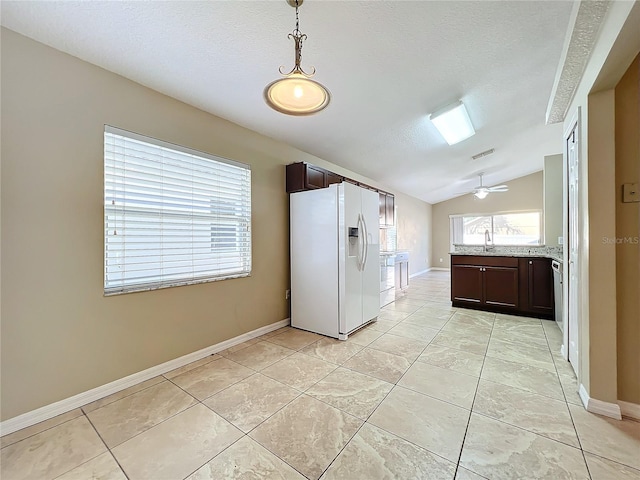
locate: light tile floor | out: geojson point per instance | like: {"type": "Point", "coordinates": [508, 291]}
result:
{"type": "Point", "coordinates": [426, 392]}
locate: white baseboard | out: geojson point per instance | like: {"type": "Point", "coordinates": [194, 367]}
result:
{"type": "Point", "coordinates": [63, 406]}
{"type": "Point", "coordinates": [419, 273]}
{"type": "Point", "coordinates": [629, 410]}
{"type": "Point", "coordinates": [440, 269]}
{"type": "Point", "coordinates": [599, 407]}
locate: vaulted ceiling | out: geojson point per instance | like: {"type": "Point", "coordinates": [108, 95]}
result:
{"type": "Point", "coordinates": [388, 64]}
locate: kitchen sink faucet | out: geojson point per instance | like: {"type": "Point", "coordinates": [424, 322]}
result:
{"type": "Point", "coordinates": [487, 239]}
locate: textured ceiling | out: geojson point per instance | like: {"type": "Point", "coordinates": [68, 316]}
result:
{"type": "Point", "coordinates": [388, 64]}
{"type": "Point", "coordinates": [589, 17]}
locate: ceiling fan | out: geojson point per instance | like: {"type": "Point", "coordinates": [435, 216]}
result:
{"type": "Point", "coordinates": [481, 191]}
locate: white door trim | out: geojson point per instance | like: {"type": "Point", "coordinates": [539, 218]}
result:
{"type": "Point", "coordinates": [571, 303]}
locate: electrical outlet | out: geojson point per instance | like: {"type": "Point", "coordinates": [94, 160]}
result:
{"type": "Point", "coordinates": [287, 294]}
{"type": "Point", "coordinates": [440, 260]}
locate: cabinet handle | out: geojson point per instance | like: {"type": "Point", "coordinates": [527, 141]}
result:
{"type": "Point", "coordinates": [530, 262]}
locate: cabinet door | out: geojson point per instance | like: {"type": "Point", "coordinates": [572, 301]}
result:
{"type": "Point", "coordinates": [540, 280]}
{"type": "Point", "coordinates": [296, 177]}
{"type": "Point", "coordinates": [501, 286]}
{"type": "Point", "coordinates": [333, 178]}
{"type": "Point", "coordinates": [466, 283]}
{"type": "Point", "coordinates": [383, 210]}
{"type": "Point", "coordinates": [315, 177]}
{"type": "Point", "coordinates": [389, 209]}
{"type": "Point", "coordinates": [404, 275]}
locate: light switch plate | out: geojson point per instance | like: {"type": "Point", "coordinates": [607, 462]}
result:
{"type": "Point", "coordinates": [630, 193]}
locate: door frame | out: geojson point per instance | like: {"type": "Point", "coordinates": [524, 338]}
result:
{"type": "Point", "coordinates": [571, 311]}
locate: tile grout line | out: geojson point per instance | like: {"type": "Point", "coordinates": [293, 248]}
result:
{"type": "Point", "coordinates": [394, 386]}
{"type": "Point", "coordinates": [466, 430]}
{"type": "Point", "coordinates": [107, 447]}
{"type": "Point", "coordinates": [355, 433]}
{"type": "Point", "coordinates": [216, 455]}
{"type": "Point", "coordinates": [42, 431]}
{"type": "Point", "coordinates": [584, 458]}
{"type": "Point", "coordinates": [566, 401]}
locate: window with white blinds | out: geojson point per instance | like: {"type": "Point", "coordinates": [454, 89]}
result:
{"type": "Point", "coordinates": [173, 216]}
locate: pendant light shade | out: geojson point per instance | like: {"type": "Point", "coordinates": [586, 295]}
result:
{"type": "Point", "coordinates": [296, 93]}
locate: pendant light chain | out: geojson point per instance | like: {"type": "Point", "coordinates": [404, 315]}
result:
{"type": "Point", "coordinates": [298, 38]}
{"type": "Point", "coordinates": [297, 30]}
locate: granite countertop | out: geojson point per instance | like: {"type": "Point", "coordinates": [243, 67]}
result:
{"type": "Point", "coordinates": [393, 253]}
{"type": "Point", "coordinates": [501, 254]}
{"type": "Point", "coordinates": [554, 253]}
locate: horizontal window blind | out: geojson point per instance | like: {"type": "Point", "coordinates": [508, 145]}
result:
{"type": "Point", "coordinates": [173, 216]}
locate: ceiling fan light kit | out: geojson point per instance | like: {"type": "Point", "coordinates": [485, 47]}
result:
{"type": "Point", "coordinates": [296, 93]}
{"type": "Point", "coordinates": [453, 123]}
{"type": "Point", "coordinates": [481, 192]}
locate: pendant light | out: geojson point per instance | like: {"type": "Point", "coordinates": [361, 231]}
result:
{"type": "Point", "coordinates": [296, 93]}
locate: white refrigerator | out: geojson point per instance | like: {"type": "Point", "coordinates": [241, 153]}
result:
{"type": "Point", "coordinates": [335, 272]}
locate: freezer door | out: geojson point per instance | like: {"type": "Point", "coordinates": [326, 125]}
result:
{"type": "Point", "coordinates": [314, 260]}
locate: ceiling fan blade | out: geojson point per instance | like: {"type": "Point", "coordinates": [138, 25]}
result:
{"type": "Point", "coordinates": [499, 188]}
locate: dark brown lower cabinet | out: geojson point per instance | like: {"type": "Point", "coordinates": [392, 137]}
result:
{"type": "Point", "coordinates": [501, 286]}
{"type": "Point", "coordinates": [537, 275]}
{"type": "Point", "coordinates": [466, 284]}
{"type": "Point", "coordinates": [513, 285]}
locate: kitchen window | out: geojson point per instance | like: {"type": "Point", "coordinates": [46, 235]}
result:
{"type": "Point", "coordinates": [511, 228]}
{"type": "Point", "coordinates": [172, 216]}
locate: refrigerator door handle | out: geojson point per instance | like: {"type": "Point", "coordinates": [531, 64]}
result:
{"type": "Point", "coordinates": [361, 243]}
{"type": "Point", "coordinates": [365, 242]}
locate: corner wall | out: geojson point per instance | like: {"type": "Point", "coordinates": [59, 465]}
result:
{"type": "Point", "coordinates": [627, 233]}
{"type": "Point", "coordinates": [553, 190]}
{"type": "Point", "coordinates": [60, 336]}
{"type": "Point", "coordinates": [602, 261]}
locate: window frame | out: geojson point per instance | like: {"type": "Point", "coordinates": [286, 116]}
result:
{"type": "Point", "coordinates": [453, 243]}
{"type": "Point", "coordinates": [189, 276]}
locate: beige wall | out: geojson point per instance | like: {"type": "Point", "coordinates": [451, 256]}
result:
{"type": "Point", "coordinates": [627, 139]}
{"type": "Point", "coordinates": [413, 236]}
{"type": "Point", "coordinates": [525, 193]}
{"type": "Point", "coordinates": [602, 262]}
{"type": "Point", "coordinates": [553, 188]}
{"type": "Point", "coordinates": [615, 48]}
{"type": "Point", "coordinates": [60, 335]}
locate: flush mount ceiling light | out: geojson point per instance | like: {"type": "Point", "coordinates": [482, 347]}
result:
{"type": "Point", "coordinates": [296, 93]}
{"type": "Point", "coordinates": [453, 123]}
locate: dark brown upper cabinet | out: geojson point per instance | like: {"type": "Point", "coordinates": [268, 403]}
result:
{"type": "Point", "coordinates": [301, 176]}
